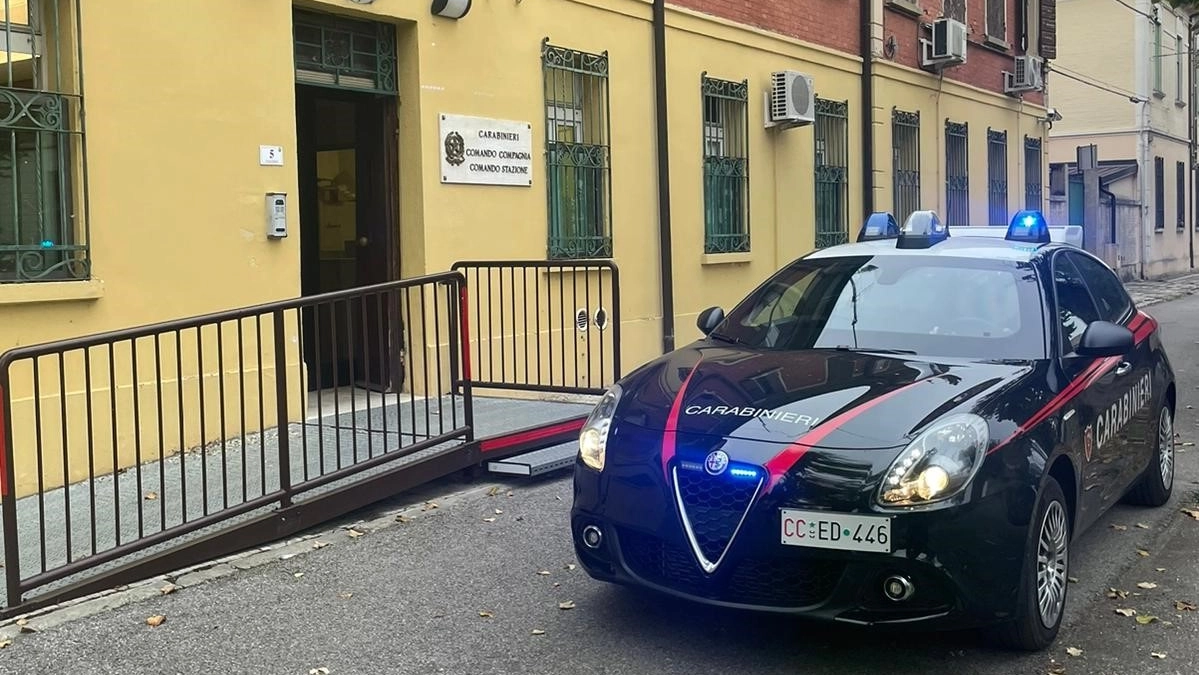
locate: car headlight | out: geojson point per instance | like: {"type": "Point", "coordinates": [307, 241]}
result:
{"type": "Point", "coordinates": [593, 438]}
{"type": "Point", "coordinates": [938, 464]}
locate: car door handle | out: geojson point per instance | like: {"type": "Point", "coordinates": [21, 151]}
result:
{"type": "Point", "coordinates": [1123, 368]}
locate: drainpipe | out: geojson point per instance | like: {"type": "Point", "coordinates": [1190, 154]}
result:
{"type": "Point", "coordinates": [1193, 122]}
{"type": "Point", "coordinates": [867, 51]}
{"type": "Point", "coordinates": [664, 246]}
{"type": "Point", "coordinates": [1112, 208]}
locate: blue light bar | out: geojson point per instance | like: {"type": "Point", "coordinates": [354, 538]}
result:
{"type": "Point", "coordinates": [1028, 226]}
{"type": "Point", "coordinates": [738, 472]}
{"type": "Point", "coordinates": [880, 225]}
{"type": "Point", "coordinates": [922, 229]}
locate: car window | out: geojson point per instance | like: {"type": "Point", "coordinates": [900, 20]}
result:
{"type": "Point", "coordinates": [930, 305]}
{"type": "Point", "coordinates": [1076, 309]}
{"type": "Point", "coordinates": [1106, 289]}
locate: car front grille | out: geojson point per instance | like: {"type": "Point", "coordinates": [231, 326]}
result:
{"type": "Point", "coordinates": [785, 581]}
{"type": "Point", "coordinates": [714, 506]}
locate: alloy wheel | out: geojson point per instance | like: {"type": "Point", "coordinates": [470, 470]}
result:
{"type": "Point", "coordinates": [1052, 559]}
{"type": "Point", "coordinates": [1165, 447]}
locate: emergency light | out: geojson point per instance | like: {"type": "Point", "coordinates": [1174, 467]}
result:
{"type": "Point", "coordinates": [880, 225]}
{"type": "Point", "coordinates": [922, 229]}
{"type": "Point", "coordinates": [1028, 226]}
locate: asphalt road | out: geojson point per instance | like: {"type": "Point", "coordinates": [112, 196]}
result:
{"type": "Point", "coordinates": [411, 598]}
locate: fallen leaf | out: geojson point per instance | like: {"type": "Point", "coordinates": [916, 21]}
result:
{"type": "Point", "coordinates": [1119, 527]}
{"type": "Point", "coordinates": [298, 575]}
{"type": "Point", "coordinates": [570, 566]}
{"type": "Point", "coordinates": [1143, 553]}
{"type": "Point", "coordinates": [168, 589]}
{"type": "Point", "coordinates": [485, 614]}
{"type": "Point", "coordinates": [1072, 580]}
{"type": "Point", "coordinates": [1145, 619]}
{"type": "Point", "coordinates": [499, 512]}
{"type": "Point", "coordinates": [403, 519]}
{"type": "Point", "coordinates": [569, 604]}
{"type": "Point", "coordinates": [354, 534]}
{"type": "Point", "coordinates": [151, 496]}
{"type": "Point", "coordinates": [557, 584]}
{"type": "Point", "coordinates": [429, 505]}
{"type": "Point", "coordinates": [1143, 526]}
{"type": "Point", "coordinates": [345, 596]}
{"type": "Point", "coordinates": [22, 622]}
{"type": "Point", "coordinates": [489, 520]}
{"type": "Point", "coordinates": [1161, 569]}
{"type": "Point", "coordinates": [1194, 513]}
{"type": "Point", "coordinates": [509, 494]}
{"type": "Point", "coordinates": [1147, 585]}
{"type": "Point", "coordinates": [1126, 612]}
{"type": "Point", "coordinates": [319, 671]}
{"type": "Point", "coordinates": [5, 643]}
{"type": "Point", "coordinates": [1073, 651]}
{"type": "Point", "coordinates": [538, 631]}
{"type": "Point", "coordinates": [287, 556]}
{"type": "Point", "coordinates": [544, 573]}
{"type": "Point", "coordinates": [1158, 655]}
{"type": "Point", "coordinates": [1183, 606]}
{"type": "Point", "coordinates": [1057, 669]}
{"type": "Point", "coordinates": [495, 490]}
{"type": "Point", "coordinates": [319, 544]}
{"type": "Point", "coordinates": [1116, 594]}
{"type": "Point", "coordinates": [155, 620]}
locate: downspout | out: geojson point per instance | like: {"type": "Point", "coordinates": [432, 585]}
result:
{"type": "Point", "coordinates": [1112, 208]}
{"type": "Point", "coordinates": [664, 245]}
{"type": "Point", "coordinates": [1192, 123]}
{"type": "Point", "coordinates": [867, 51]}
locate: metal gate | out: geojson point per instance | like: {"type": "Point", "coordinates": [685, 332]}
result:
{"type": "Point", "coordinates": [140, 451]}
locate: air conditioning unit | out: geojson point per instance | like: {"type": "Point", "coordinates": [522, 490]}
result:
{"type": "Point", "coordinates": [1025, 76]}
{"type": "Point", "coordinates": [791, 101]}
{"type": "Point", "coordinates": [947, 46]}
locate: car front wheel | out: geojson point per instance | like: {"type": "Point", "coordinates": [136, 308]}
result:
{"type": "Point", "coordinates": [1042, 599]}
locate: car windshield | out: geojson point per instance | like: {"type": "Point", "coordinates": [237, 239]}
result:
{"type": "Point", "coordinates": [927, 305]}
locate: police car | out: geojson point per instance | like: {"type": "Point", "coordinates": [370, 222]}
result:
{"type": "Point", "coordinates": [910, 429]}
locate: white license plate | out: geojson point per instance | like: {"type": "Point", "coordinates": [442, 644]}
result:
{"type": "Point", "coordinates": [838, 531]}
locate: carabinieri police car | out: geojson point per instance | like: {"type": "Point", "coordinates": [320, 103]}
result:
{"type": "Point", "coordinates": [910, 429]}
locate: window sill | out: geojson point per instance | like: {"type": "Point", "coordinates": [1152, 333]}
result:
{"type": "Point", "coordinates": [726, 258]}
{"type": "Point", "coordinates": [1180, 104]}
{"type": "Point", "coordinates": [909, 7]}
{"type": "Point", "coordinates": [1159, 94]}
{"type": "Point", "coordinates": [50, 291]}
{"type": "Point", "coordinates": [997, 44]}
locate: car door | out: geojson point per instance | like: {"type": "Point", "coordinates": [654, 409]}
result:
{"type": "Point", "coordinates": [1097, 459]}
{"type": "Point", "coordinates": [1129, 425]}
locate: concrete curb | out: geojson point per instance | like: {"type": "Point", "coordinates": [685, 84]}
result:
{"type": "Point", "coordinates": [49, 618]}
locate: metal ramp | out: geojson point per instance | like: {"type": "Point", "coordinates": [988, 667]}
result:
{"type": "Point", "coordinates": [538, 462]}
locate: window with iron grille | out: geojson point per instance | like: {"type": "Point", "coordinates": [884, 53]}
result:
{"type": "Point", "coordinates": [43, 219]}
{"type": "Point", "coordinates": [1179, 87]}
{"type": "Point", "coordinates": [957, 173]}
{"type": "Point", "coordinates": [997, 177]}
{"type": "Point", "coordinates": [726, 165]}
{"type": "Point", "coordinates": [1180, 192]}
{"type": "Point", "coordinates": [997, 20]}
{"type": "Point", "coordinates": [1159, 193]}
{"type": "Point", "coordinates": [832, 172]}
{"type": "Point", "coordinates": [1033, 171]}
{"type": "Point", "coordinates": [905, 162]}
{"type": "Point", "coordinates": [954, 9]}
{"type": "Point", "coordinates": [578, 157]}
{"type": "Point", "coordinates": [1157, 57]}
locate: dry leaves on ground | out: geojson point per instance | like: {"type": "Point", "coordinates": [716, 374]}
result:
{"type": "Point", "coordinates": [1147, 585]}
{"type": "Point", "coordinates": [569, 604]}
{"type": "Point", "coordinates": [5, 643]}
{"type": "Point", "coordinates": [1116, 594]}
{"type": "Point", "coordinates": [168, 589]}
{"type": "Point", "coordinates": [1073, 651]}
{"type": "Point", "coordinates": [1158, 655]}
{"type": "Point", "coordinates": [319, 544]}
{"type": "Point", "coordinates": [354, 534]}
{"type": "Point", "coordinates": [538, 631]}
{"type": "Point", "coordinates": [1119, 527]}
{"type": "Point", "coordinates": [1124, 611]}
{"type": "Point", "coordinates": [155, 620]}
{"type": "Point", "coordinates": [485, 614]}
{"type": "Point", "coordinates": [1146, 619]}
{"type": "Point", "coordinates": [1184, 606]}
{"type": "Point", "coordinates": [1143, 553]}
{"type": "Point", "coordinates": [1194, 513]}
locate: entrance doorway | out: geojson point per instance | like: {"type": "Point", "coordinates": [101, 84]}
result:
{"type": "Point", "coordinates": [348, 180]}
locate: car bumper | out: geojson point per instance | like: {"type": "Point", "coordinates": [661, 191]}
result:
{"type": "Point", "coordinates": [964, 562]}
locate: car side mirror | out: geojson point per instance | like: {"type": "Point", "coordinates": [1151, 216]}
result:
{"type": "Point", "coordinates": [709, 319]}
{"type": "Point", "coordinates": [1104, 338]}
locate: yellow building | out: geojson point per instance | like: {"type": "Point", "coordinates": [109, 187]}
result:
{"type": "Point", "coordinates": [401, 142]}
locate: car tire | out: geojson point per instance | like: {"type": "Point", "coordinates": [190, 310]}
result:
{"type": "Point", "coordinates": [1157, 483]}
{"type": "Point", "coordinates": [1049, 531]}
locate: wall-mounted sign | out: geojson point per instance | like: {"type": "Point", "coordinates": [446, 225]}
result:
{"type": "Point", "coordinates": [485, 151]}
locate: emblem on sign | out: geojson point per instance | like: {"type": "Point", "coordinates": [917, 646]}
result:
{"type": "Point", "coordinates": [455, 148]}
{"type": "Point", "coordinates": [716, 462]}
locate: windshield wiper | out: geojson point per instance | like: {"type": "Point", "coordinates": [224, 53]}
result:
{"type": "Point", "coordinates": [847, 348]}
{"type": "Point", "coordinates": [727, 338]}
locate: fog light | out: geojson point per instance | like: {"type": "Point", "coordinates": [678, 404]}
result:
{"type": "Point", "coordinates": [897, 588]}
{"type": "Point", "coordinates": [592, 536]}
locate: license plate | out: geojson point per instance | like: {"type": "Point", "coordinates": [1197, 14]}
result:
{"type": "Point", "coordinates": [838, 531]}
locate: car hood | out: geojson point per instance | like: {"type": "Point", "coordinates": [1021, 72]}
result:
{"type": "Point", "coordinates": [827, 398]}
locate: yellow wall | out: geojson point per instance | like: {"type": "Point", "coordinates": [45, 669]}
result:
{"type": "Point", "coordinates": [1096, 42]}
{"type": "Point", "coordinates": [177, 193]}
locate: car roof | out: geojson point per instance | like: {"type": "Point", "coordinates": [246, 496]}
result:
{"type": "Point", "coordinates": [958, 245]}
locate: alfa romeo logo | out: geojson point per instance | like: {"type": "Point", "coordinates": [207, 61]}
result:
{"type": "Point", "coordinates": [455, 148]}
{"type": "Point", "coordinates": [716, 462]}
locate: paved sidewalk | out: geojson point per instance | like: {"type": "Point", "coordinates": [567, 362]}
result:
{"type": "Point", "coordinates": [1146, 293]}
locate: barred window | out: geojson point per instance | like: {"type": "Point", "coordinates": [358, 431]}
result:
{"type": "Point", "coordinates": [957, 173]}
{"type": "Point", "coordinates": [726, 165]}
{"type": "Point", "coordinates": [997, 177]}
{"type": "Point", "coordinates": [578, 157]}
{"type": "Point", "coordinates": [905, 162]}
{"type": "Point", "coordinates": [43, 223]}
{"type": "Point", "coordinates": [832, 172]}
{"type": "Point", "coordinates": [1033, 170]}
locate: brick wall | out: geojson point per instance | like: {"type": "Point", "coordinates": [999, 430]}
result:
{"type": "Point", "coordinates": [829, 23]}
{"type": "Point", "coordinates": [984, 64]}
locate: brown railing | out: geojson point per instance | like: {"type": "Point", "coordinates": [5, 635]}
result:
{"type": "Point", "coordinates": [539, 325]}
{"type": "Point", "coordinates": [114, 445]}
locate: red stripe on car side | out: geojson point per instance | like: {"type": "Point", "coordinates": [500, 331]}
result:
{"type": "Point", "coordinates": [672, 423]}
{"type": "Point", "coordinates": [1142, 326]}
{"type": "Point", "coordinates": [781, 463]}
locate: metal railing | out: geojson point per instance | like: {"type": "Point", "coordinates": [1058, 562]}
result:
{"type": "Point", "coordinates": [550, 326]}
{"type": "Point", "coordinates": [115, 445]}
